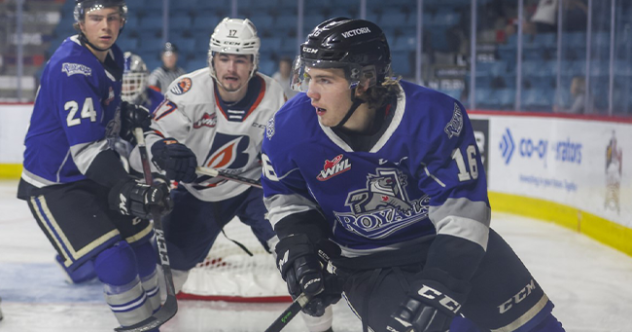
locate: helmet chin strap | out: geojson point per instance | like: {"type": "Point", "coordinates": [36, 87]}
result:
{"type": "Point", "coordinates": [84, 40]}
{"type": "Point", "coordinates": [356, 103]}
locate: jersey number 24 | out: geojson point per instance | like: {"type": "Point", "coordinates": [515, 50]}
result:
{"type": "Point", "coordinates": [87, 111]}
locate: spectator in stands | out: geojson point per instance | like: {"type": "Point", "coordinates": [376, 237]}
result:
{"type": "Point", "coordinates": [544, 19]}
{"type": "Point", "coordinates": [583, 102]}
{"type": "Point", "coordinates": [162, 76]}
{"type": "Point", "coordinates": [283, 76]}
{"type": "Point", "coordinates": [579, 104]}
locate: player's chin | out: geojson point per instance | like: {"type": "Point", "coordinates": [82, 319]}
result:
{"type": "Point", "coordinates": [105, 43]}
{"type": "Point", "coordinates": [326, 122]}
{"type": "Point", "coordinates": [232, 86]}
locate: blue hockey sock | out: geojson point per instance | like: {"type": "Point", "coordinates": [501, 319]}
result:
{"type": "Point", "coordinates": [549, 324]}
{"type": "Point", "coordinates": [116, 265]}
{"type": "Point", "coordinates": [124, 293]}
{"type": "Point", "coordinates": [145, 258]}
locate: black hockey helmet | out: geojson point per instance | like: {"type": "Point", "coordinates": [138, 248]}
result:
{"type": "Point", "coordinates": [169, 47]}
{"type": "Point", "coordinates": [358, 46]}
{"type": "Point", "coordinates": [83, 6]}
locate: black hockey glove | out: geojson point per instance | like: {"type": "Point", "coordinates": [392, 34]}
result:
{"type": "Point", "coordinates": [431, 305]}
{"type": "Point", "coordinates": [133, 116]}
{"type": "Point", "coordinates": [301, 268]}
{"type": "Point", "coordinates": [177, 160]}
{"type": "Point", "coordinates": [136, 199]}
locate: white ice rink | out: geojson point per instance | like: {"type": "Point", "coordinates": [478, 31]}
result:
{"type": "Point", "coordinates": [590, 284]}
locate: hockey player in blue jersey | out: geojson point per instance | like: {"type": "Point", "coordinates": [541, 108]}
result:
{"type": "Point", "coordinates": [89, 207]}
{"type": "Point", "coordinates": [385, 178]}
{"type": "Point", "coordinates": [135, 90]}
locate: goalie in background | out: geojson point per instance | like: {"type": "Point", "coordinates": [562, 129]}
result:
{"type": "Point", "coordinates": [385, 176]}
{"type": "Point", "coordinates": [135, 89]}
{"type": "Point", "coordinates": [91, 209]}
{"type": "Point", "coordinates": [215, 117]}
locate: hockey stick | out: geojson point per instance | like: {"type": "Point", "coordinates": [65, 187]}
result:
{"type": "Point", "coordinates": [331, 281]}
{"type": "Point", "coordinates": [289, 313]}
{"type": "Point", "coordinates": [216, 173]}
{"type": "Point", "coordinates": [170, 307]}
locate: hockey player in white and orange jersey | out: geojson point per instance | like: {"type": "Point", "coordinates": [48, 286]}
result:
{"type": "Point", "coordinates": [216, 117]}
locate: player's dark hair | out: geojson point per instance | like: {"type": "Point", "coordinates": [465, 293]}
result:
{"type": "Point", "coordinates": [379, 95]}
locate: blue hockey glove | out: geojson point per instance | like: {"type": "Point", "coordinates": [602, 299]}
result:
{"type": "Point", "coordinates": [136, 199]}
{"type": "Point", "coordinates": [177, 160]}
{"type": "Point", "coordinates": [133, 116]}
{"type": "Point", "coordinates": [430, 305]}
{"type": "Point", "coordinates": [301, 268]}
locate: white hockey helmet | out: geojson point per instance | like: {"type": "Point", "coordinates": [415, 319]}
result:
{"type": "Point", "coordinates": [135, 75]}
{"type": "Point", "coordinates": [235, 36]}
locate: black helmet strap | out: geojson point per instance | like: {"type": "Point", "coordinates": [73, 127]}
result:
{"type": "Point", "coordinates": [85, 40]}
{"type": "Point", "coordinates": [356, 103]}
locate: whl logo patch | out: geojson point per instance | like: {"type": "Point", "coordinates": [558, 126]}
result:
{"type": "Point", "coordinates": [507, 146]}
{"type": "Point", "coordinates": [334, 167]}
{"type": "Point", "coordinates": [207, 120]}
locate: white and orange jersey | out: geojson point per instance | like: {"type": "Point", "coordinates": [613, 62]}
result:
{"type": "Point", "coordinates": [224, 137]}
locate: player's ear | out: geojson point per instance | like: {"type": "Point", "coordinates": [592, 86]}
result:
{"type": "Point", "coordinates": [362, 86]}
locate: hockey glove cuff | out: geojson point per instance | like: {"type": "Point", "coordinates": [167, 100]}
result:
{"type": "Point", "coordinates": [301, 268]}
{"type": "Point", "coordinates": [431, 304]}
{"type": "Point", "coordinates": [136, 199]}
{"type": "Point", "coordinates": [177, 160]}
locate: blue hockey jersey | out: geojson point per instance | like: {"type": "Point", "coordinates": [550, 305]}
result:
{"type": "Point", "coordinates": [154, 98]}
{"type": "Point", "coordinates": [423, 177]}
{"type": "Point", "coordinates": [77, 98]}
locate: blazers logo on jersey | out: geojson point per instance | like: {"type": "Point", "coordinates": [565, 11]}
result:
{"type": "Point", "coordinates": [75, 68]}
{"type": "Point", "coordinates": [182, 86]}
{"type": "Point", "coordinates": [454, 127]}
{"type": "Point", "coordinates": [383, 207]}
{"type": "Point", "coordinates": [334, 167]}
{"type": "Point", "coordinates": [228, 151]}
{"type": "Point", "coordinates": [207, 120]}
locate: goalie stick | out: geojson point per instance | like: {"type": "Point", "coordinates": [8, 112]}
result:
{"type": "Point", "coordinates": [216, 173]}
{"type": "Point", "coordinates": [170, 307]}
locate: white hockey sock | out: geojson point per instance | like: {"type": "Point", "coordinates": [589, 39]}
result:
{"type": "Point", "coordinates": [150, 285]}
{"type": "Point", "coordinates": [128, 303]}
{"type": "Point", "coordinates": [319, 324]}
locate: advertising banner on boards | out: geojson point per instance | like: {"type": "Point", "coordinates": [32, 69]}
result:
{"type": "Point", "coordinates": [579, 163]}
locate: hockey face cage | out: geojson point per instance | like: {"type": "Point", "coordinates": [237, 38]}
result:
{"type": "Point", "coordinates": [134, 78]}
{"type": "Point", "coordinates": [134, 84]}
{"type": "Point", "coordinates": [235, 36]}
{"type": "Point", "coordinates": [86, 6]}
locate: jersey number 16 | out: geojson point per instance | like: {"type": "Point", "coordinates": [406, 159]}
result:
{"type": "Point", "coordinates": [470, 153]}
